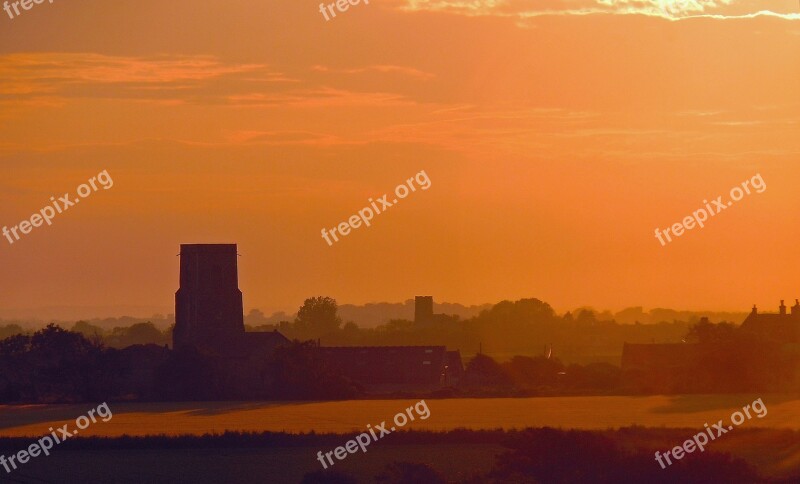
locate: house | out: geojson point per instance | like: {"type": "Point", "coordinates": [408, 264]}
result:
{"type": "Point", "coordinates": [781, 327]}
{"type": "Point", "coordinates": [678, 367]}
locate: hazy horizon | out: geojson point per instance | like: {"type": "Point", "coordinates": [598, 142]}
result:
{"type": "Point", "coordinates": [74, 313]}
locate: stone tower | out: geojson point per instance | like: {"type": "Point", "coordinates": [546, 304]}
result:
{"type": "Point", "coordinates": [208, 305]}
{"type": "Point", "coordinates": [423, 309]}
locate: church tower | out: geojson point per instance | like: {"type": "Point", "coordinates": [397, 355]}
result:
{"type": "Point", "coordinates": [423, 309]}
{"type": "Point", "coordinates": [208, 305]}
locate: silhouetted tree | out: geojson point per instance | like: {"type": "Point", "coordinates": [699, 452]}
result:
{"type": "Point", "coordinates": [55, 365]}
{"type": "Point", "coordinates": [586, 318]}
{"type": "Point", "coordinates": [255, 317]}
{"type": "Point", "coordinates": [526, 311]}
{"type": "Point", "coordinates": [137, 334]}
{"type": "Point", "coordinates": [483, 372]}
{"type": "Point", "coordinates": [88, 330]}
{"type": "Point", "coordinates": [15, 346]}
{"type": "Point", "coordinates": [317, 317]}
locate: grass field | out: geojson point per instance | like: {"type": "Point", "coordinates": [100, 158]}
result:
{"type": "Point", "coordinates": [198, 418]}
{"type": "Point", "coordinates": [675, 418]}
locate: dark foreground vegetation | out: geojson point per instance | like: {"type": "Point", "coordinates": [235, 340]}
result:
{"type": "Point", "coordinates": [54, 365]}
{"type": "Point", "coordinates": [542, 455]}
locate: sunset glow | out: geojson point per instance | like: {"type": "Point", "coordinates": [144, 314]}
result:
{"type": "Point", "coordinates": [558, 135]}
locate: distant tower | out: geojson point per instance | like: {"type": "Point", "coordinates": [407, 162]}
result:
{"type": "Point", "coordinates": [423, 309]}
{"type": "Point", "coordinates": [782, 308]}
{"type": "Point", "coordinates": [208, 305]}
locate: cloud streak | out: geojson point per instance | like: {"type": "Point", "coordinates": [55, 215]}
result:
{"type": "Point", "coordinates": [54, 79]}
{"type": "Point", "coordinates": [34, 76]}
{"type": "Point", "coordinates": [382, 69]}
{"type": "Point", "coordinates": [672, 10]}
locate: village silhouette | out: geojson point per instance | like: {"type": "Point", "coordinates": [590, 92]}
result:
{"type": "Point", "coordinates": [212, 356]}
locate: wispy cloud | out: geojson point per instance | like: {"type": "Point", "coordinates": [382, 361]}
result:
{"type": "Point", "coordinates": [282, 137]}
{"type": "Point", "coordinates": [318, 97]}
{"type": "Point", "coordinates": [383, 69]}
{"type": "Point", "coordinates": [673, 10]}
{"type": "Point", "coordinates": [55, 79]}
{"type": "Point", "coordinates": [33, 77]}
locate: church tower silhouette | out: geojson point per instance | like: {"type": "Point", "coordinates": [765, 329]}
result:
{"type": "Point", "coordinates": [208, 304]}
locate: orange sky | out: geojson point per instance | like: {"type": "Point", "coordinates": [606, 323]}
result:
{"type": "Point", "coordinates": [557, 136]}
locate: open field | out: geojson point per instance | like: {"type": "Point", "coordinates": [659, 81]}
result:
{"type": "Point", "coordinates": [690, 411]}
